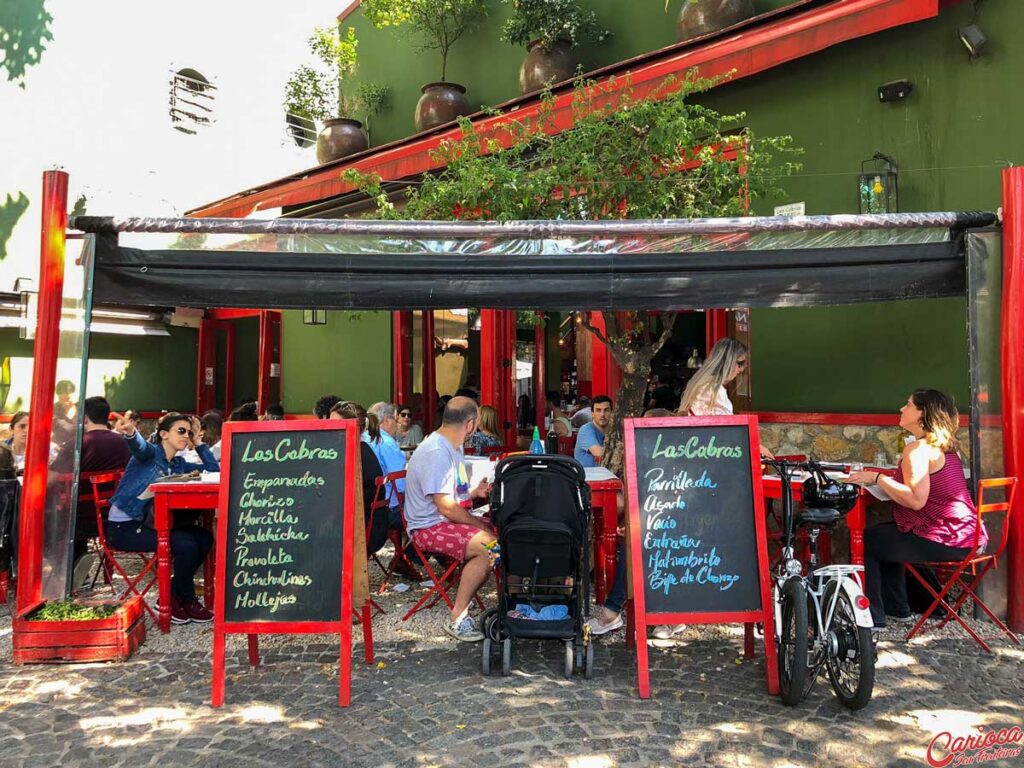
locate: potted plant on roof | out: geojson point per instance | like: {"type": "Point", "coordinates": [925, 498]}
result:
{"type": "Point", "coordinates": [321, 94]}
{"type": "Point", "coordinates": [702, 17]}
{"type": "Point", "coordinates": [550, 30]}
{"type": "Point", "coordinates": [437, 24]}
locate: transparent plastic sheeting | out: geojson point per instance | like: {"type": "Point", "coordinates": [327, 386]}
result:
{"type": "Point", "coordinates": [640, 271]}
{"type": "Point", "coordinates": [521, 246]}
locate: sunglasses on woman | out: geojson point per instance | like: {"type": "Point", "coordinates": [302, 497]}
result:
{"type": "Point", "coordinates": [404, 414]}
{"type": "Point", "coordinates": [184, 431]}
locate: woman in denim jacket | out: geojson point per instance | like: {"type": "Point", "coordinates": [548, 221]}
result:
{"type": "Point", "coordinates": [129, 526]}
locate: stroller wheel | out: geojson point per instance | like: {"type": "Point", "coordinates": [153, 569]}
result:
{"type": "Point", "coordinates": [506, 657]}
{"type": "Point", "coordinates": [569, 658]}
{"type": "Point", "coordinates": [588, 669]}
{"type": "Point", "coordinates": [485, 657]}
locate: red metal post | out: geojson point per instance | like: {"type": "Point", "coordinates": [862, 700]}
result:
{"type": "Point", "coordinates": [490, 359]}
{"type": "Point", "coordinates": [44, 380]}
{"type": "Point", "coordinates": [265, 360]}
{"type": "Point", "coordinates": [205, 385]}
{"type": "Point", "coordinates": [229, 369]}
{"type": "Point", "coordinates": [508, 402]}
{"type": "Point", "coordinates": [539, 378]}
{"type": "Point", "coordinates": [715, 323]}
{"type": "Point", "coordinates": [401, 336]}
{"type": "Point", "coordinates": [1012, 350]}
{"type": "Point", "coordinates": [429, 373]}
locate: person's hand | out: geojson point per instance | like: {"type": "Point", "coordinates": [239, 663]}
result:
{"type": "Point", "coordinates": [863, 477]}
{"type": "Point", "coordinates": [482, 490]}
{"type": "Point", "coordinates": [766, 453]}
{"type": "Point", "coordinates": [197, 431]}
{"type": "Point", "coordinates": [124, 424]}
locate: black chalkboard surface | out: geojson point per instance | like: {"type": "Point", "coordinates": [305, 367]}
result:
{"type": "Point", "coordinates": [698, 540]}
{"type": "Point", "coordinates": [284, 531]}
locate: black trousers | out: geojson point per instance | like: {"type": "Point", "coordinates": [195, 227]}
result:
{"type": "Point", "coordinates": [886, 549]}
{"type": "Point", "coordinates": [189, 547]}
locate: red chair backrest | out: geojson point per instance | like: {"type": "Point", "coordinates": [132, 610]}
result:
{"type": "Point", "coordinates": [1009, 484]}
{"type": "Point", "coordinates": [391, 479]}
{"type": "Point", "coordinates": [102, 485]}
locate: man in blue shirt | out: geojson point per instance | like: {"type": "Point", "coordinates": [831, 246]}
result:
{"type": "Point", "coordinates": [590, 440]}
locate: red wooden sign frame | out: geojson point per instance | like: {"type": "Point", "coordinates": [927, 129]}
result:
{"type": "Point", "coordinates": [640, 618]}
{"type": "Point", "coordinates": [343, 626]}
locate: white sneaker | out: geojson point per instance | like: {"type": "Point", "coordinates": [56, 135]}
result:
{"type": "Point", "coordinates": [598, 627]}
{"type": "Point", "coordinates": [465, 630]}
{"type": "Point", "coordinates": [668, 631]}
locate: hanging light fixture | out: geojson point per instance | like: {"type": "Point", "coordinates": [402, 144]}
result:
{"type": "Point", "coordinates": [877, 185]}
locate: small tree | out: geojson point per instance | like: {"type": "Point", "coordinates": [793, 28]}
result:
{"type": "Point", "coordinates": [438, 23]}
{"type": "Point", "coordinates": [321, 92]}
{"type": "Point", "coordinates": [550, 21]}
{"type": "Point", "coordinates": [663, 156]}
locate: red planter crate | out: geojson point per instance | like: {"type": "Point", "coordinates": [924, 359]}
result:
{"type": "Point", "coordinates": [111, 639]}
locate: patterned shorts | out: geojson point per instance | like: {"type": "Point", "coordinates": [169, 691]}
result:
{"type": "Point", "coordinates": [446, 539]}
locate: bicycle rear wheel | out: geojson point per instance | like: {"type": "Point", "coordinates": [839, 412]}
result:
{"type": "Point", "coordinates": [793, 642]}
{"type": "Point", "coordinates": [851, 655]}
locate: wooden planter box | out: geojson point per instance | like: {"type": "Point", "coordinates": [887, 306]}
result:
{"type": "Point", "coordinates": [111, 639]}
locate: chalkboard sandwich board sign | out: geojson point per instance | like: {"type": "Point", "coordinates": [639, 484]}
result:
{"type": "Point", "coordinates": [697, 543]}
{"type": "Point", "coordinates": [285, 536]}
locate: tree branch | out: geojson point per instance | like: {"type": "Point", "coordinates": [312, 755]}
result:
{"type": "Point", "coordinates": [585, 322]}
{"type": "Point", "coordinates": [668, 321]}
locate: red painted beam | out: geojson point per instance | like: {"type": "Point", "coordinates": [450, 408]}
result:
{"type": "Point", "coordinates": [1012, 351]}
{"type": "Point", "coordinates": [429, 377]}
{"type": "Point", "coordinates": [746, 53]}
{"type": "Point", "coordinates": [401, 347]}
{"type": "Point", "coordinates": [44, 380]}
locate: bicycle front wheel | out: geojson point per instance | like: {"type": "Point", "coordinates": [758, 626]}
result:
{"type": "Point", "coordinates": [793, 642]}
{"type": "Point", "coordinates": [851, 654]}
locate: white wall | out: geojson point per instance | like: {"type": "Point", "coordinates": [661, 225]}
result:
{"type": "Point", "coordinates": [97, 107]}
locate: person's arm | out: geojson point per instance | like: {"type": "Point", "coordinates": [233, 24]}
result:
{"type": "Point", "coordinates": [913, 492]}
{"type": "Point", "coordinates": [453, 512]}
{"type": "Point", "coordinates": [142, 451]}
{"type": "Point", "coordinates": [209, 461]}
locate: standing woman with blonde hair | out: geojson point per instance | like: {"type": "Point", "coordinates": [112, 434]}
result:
{"type": "Point", "coordinates": [705, 393]}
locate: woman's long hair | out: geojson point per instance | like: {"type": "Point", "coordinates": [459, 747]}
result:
{"type": "Point", "coordinates": [712, 374]}
{"type": "Point", "coordinates": [939, 418]}
{"type": "Point", "coordinates": [488, 420]}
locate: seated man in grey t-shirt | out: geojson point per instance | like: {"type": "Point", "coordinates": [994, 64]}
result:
{"type": "Point", "coordinates": [437, 508]}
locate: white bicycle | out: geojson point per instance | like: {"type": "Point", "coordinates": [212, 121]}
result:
{"type": "Point", "coordinates": [821, 613]}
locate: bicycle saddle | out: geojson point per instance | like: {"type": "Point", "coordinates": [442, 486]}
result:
{"type": "Point", "coordinates": [821, 516]}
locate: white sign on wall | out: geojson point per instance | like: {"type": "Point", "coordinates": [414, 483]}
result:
{"type": "Point", "coordinates": [790, 209]}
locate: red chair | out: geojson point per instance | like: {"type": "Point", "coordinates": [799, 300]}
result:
{"type": "Point", "coordinates": [449, 577]}
{"type": "Point", "coordinates": [86, 514]}
{"type": "Point", "coordinates": [388, 485]}
{"type": "Point", "coordinates": [103, 486]}
{"type": "Point", "coordinates": [972, 568]}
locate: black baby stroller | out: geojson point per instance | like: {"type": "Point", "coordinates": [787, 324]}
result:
{"type": "Point", "coordinates": [540, 506]}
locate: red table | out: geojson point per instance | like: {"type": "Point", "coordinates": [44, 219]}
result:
{"type": "Point", "coordinates": [168, 497]}
{"type": "Point", "coordinates": [605, 504]}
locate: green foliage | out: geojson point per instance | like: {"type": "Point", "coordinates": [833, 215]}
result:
{"type": "Point", "coordinates": [550, 21]}
{"type": "Point", "coordinates": [436, 23]}
{"type": "Point", "coordinates": [68, 610]}
{"type": "Point", "coordinates": [11, 210]}
{"type": "Point", "coordinates": [321, 92]}
{"type": "Point", "coordinates": [662, 156]}
{"type": "Point", "coordinates": [78, 209]}
{"type": "Point", "coordinates": [24, 32]}
{"type": "Point", "coordinates": [373, 98]}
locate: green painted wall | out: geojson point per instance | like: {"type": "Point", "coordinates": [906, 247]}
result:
{"type": "Point", "coordinates": [147, 373]}
{"type": "Point", "coordinates": [950, 138]}
{"type": "Point", "coordinates": [247, 359]}
{"type": "Point", "coordinates": [349, 357]}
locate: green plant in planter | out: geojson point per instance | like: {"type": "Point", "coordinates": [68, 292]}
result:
{"type": "Point", "coordinates": [550, 21]}
{"type": "Point", "coordinates": [373, 98]}
{"type": "Point", "coordinates": [437, 23]}
{"type": "Point", "coordinates": [68, 610]}
{"type": "Point", "coordinates": [320, 92]}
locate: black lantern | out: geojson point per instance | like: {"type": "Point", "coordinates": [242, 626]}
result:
{"type": "Point", "coordinates": [877, 185]}
{"type": "Point", "coordinates": [314, 316]}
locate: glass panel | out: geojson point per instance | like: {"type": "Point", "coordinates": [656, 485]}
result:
{"type": "Point", "coordinates": [66, 437]}
{"type": "Point", "coordinates": [985, 270]}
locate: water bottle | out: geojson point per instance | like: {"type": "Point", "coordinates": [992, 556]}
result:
{"type": "Point", "coordinates": [536, 446]}
{"type": "Point", "coordinates": [551, 441]}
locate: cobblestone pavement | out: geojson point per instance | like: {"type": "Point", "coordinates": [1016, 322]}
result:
{"type": "Point", "coordinates": [429, 706]}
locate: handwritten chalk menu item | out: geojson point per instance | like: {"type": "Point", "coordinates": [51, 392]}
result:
{"type": "Point", "coordinates": [697, 542]}
{"type": "Point", "coordinates": [285, 535]}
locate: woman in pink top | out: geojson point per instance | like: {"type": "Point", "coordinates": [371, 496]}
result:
{"type": "Point", "coordinates": [934, 517]}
